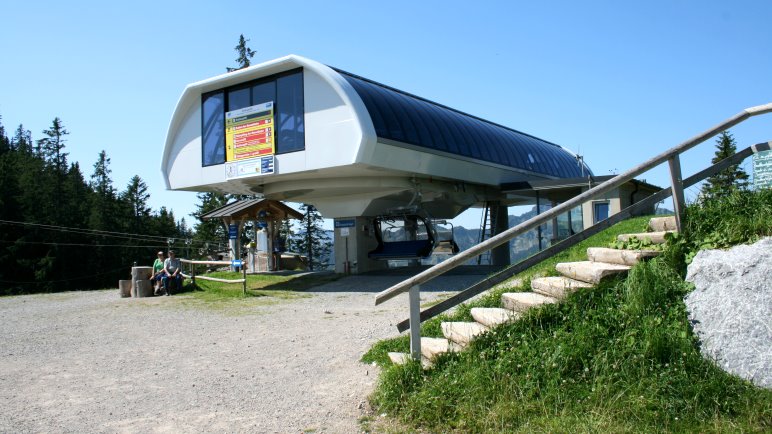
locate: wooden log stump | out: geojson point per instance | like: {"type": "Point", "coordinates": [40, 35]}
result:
{"type": "Point", "coordinates": [124, 288]}
{"type": "Point", "coordinates": [144, 288]}
{"type": "Point", "coordinates": [141, 273]}
{"type": "Point", "coordinates": [138, 274]}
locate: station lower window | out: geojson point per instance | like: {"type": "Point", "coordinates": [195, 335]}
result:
{"type": "Point", "coordinates": [284, 90]}
{"type": "Point", "coordinates": [213, 129]}
{"type": "Point", "coordinates": [600, 211]}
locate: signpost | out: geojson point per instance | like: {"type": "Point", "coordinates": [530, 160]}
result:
{"type": "Point", "coordinates": [762, 170]}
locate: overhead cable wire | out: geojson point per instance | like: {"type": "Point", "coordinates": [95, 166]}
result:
{"type": "Point", "coordinates": [96, 232]}
{"type": "Point", "coordinates": [154, 246]}
{"type": "Point", "coordinates": [40, 282]}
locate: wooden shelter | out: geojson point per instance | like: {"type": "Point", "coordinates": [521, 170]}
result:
{"type": "Point", "coordinates": [235, 214]}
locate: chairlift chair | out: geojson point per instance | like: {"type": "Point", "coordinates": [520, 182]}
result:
{"type": "Point", "coordinates": [448, 245]}
{"type": "Point", "coordinates": [389, 249]}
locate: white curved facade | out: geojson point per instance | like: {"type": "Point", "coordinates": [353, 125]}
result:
{"type": "Point", "coordinates": [345, 169]}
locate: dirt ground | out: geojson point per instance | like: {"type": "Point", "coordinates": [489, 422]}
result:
{"type": "Point", "coordinates": [93, 362]}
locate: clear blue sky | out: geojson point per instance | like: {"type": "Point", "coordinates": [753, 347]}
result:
{"type": "Point", "coordinates": [619, 82]}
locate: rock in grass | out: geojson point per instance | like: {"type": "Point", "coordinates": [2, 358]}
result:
{"type": "Point", "coordinates": [731, 309]}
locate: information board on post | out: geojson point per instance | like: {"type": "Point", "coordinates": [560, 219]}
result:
{"type": "Point", "coordinates": [762, 170]}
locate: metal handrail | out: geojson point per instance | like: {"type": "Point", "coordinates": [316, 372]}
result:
{"type": "Point", "coordinates": [669, 155]}
{"type": "Point", "coordinates": [564, 244]}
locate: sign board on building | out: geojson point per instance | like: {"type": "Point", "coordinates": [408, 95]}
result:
{"type": "Point", "coordinates": [344, 232]}
{"type": "Point", "coordinates": [253, 167]}
{"type": "Point", "coordinates": [345, 223]}
{"type": "Point", "coordinates": [249, 132]}
{"type": "Point", "coordinates": [762, 170]}
{"type": "Point", "coordinates": [233, 231]}
{"type": "Point", "coordinates": [249, 141]}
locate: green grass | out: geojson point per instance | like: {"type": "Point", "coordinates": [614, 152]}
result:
{"type": "Point", "coordinates": [620, 357]}
{"type": "Point", "coordinates": [262, 290]}
{"type": "Point", "coordinates": [258, 285]}
{"type": "Point", "coordinates": [379, 352]}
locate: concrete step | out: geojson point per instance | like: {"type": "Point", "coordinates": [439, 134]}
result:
{"type": "Point", "coordinates": [557, 287]}
{"type": "Point", "coordinates": [399, 358]}
{"type": "Point", "coordinates": [522, 301]}
{"type": "Point", "coordinates": [433, 347]}
{"type": "Point", "coordinates": [661, 224]}
{"type": "Point", "coordinates": [462, 332]}
{"type": "Point", "coordinates": [617, 256]}
{"type": "Point", "coordinates": [590, 272]}
{"type": "Point", "coordinates": [655, 237]}
{"type": "Point", "coordinates": [493, 316]}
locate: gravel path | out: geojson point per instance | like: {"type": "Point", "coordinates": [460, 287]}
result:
{"type": "Point", "coordinates": [92, 362]}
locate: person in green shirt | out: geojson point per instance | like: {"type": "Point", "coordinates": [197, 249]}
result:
{"type": "Point", "coordinates": [158, 272]}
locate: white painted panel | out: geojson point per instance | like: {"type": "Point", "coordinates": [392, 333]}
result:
{"type": "Point", "coordinates": [333, 134]}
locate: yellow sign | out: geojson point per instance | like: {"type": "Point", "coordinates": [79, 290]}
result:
{"type": "Point", "coordinates": [249, 132]}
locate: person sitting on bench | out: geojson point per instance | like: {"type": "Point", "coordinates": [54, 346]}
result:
{"type": "Point", "coordinates": [158, 273]}
{"type": "Point", "coordinates": [172, 273]}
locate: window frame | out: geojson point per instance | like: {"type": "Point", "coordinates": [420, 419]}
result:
{"type": "Point", "coordinates": [225, 91]}
{"type": "Point", "coordinates": [595, 204]}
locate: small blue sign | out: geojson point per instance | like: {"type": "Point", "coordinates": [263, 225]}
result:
{"type": "Point", "coordinates": [347, 223]}
{"type": "Point", "coordinates": [266, 165]}
{"type": "Point", "coordinates": [236, 263]}
{"type": "Point", "coordinates": [233, 231]}
{"type": "Point", "coordinates": [262, 224]}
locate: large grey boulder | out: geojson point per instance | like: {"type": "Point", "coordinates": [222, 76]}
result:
{"type": "Point", "coordinates": [731, 309]}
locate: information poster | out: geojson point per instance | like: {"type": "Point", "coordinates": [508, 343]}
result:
{"type": "Point", "coordinates": [251, 167]}
{"type": "Point", "coordinates": [249, 132]}
{"type": "Point", "coordinates": [762, 170]}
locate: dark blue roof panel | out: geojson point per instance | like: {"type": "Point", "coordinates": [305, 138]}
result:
{"type": "Point", "coordinates": [406, 118]}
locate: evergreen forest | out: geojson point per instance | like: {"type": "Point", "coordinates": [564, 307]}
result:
{"type": "Point", "coordinates": [62, 229]}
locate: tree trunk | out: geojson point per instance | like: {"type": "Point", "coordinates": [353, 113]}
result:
{"type": "Point", "coordinates": [139, 274]}
{"type": "Point", "coordinates": [144, 288]}
{"type": "Point", "coordinates": [124, 288]}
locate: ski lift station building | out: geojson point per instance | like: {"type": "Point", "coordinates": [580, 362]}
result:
{"type": "Point", "coordinates": [296, 130]}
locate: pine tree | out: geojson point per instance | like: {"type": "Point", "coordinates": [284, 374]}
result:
{"type": "Point", "coordinates": [101, 182]}
{"type": "Point", "coordinates": [22, 140]}
{"type": "Point", "coordinates": [52, 146]}
{"type": "Point", "coordinates": [209, 231]}
{"type": "Point", "coordinates": [5, 143]}
{"type": "Point", "coordinates": [312, 239]}
{"type": "Point", "coordinates": [730, 179]}
{"type": "Point", "coordinates": [105, 201]}
{"type": "Point", "coordinates": [245, 53]}
{"type": "Point", "coordinates": [136, 196]}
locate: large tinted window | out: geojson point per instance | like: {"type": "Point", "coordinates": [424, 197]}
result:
{"type": "Point", "coordinates": [289, 117]}
{"type": "Point", "coordinates": [285, 90]}
{"type": "Point", "coordinates": [264, 92]}
{"type": "Point", "coordinates": [238, 99]}
{"type": "Point", "coordinates": [213, 129]}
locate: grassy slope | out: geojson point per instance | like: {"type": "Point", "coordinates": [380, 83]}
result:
{"type": "Point", "coordinates": [617, 358]}
{"type": "Point", "coordinates": [258, 285]}
{"type": "Point", "coordinates": [431, 327]}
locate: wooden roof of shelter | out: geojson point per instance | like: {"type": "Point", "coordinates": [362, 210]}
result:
{"type": "Point", "coordinates": [249, 209]}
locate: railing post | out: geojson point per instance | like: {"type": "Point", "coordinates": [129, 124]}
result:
{"type": "Point", "coordinates": [415, 322]}
{"type": "Point", "coordinates": [677, 188]}
{"type": "Point", "coordinates": [244, 274]}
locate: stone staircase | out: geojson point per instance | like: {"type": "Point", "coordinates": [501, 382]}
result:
{"type": "Point", "coordinates": [602, 263]}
